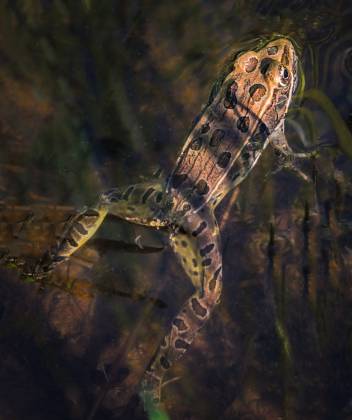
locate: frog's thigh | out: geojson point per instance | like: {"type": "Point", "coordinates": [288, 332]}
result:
{"type": "Point", "coordinates": [136, 203]}
{"type": "Point", "coordinates": [185, 247]}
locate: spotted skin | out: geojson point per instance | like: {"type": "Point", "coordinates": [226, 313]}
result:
{"type": "Point", "coordinates": [245, 110]}
{"type": "Point", "coordinates": [198, 248]}
{"type": "Point", "coordinates": [245, 113]}
{"type": "Point", "coordinates": [139, 203]}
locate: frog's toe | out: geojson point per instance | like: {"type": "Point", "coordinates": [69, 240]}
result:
{"type": "Point", "coordinates": [150, 391]}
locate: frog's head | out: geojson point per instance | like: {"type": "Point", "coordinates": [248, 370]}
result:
{"type": "Point", "coordinates": [262, 81]}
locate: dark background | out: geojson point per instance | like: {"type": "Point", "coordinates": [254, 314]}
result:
{"type": "Point", "coordinates": [96, 94]}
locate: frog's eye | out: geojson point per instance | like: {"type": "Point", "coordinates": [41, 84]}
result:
{"type": "Point", "coordinates": [284, 76]}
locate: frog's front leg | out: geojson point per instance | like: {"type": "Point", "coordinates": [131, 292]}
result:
{"type": "Point", "coordinates": [279, 142]}
{"type": "Point", "coordinates": [198, 248]}
{"type": "Point", "coordinates": [286, 157]}
{"type": "Point", "coordinates": [139, 203]}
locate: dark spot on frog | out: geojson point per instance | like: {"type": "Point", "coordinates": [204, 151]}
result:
{"type": "Point", "coordinates": [91, 213]}
{"type": "Point", "coordinates": [213, 281]}
{"type": "Point", "coordinates": [198, 308]}
{"type": "Point", "coordinates": [147, 194]}
{"type": "Point", "coordinates": [164, 362]}
{"type": "Point", "coordinates": [263, 129]}
{"type": "Point", "coordinates": [206, 250]}
{"type": "Point", "coordinates": [182, 230]}
{"type": "Point", "coordinates": [202, 187]}
{"type": "Point", "coordinates": [180, 324]}
{"type": "Point", "coordinates": [216, 137]}
{"type": "Point", "coordinates": [159, 197]}
{"type": "Point", "coordinates": [80, 228]}
{"type": "Point", "coordinates": [205, 128]}
{"type": "Point", "coordinates": [72, 242]}
{"type": "Point", "coordinates": [181, 344]}
{"type": "Point", "coordinates": [245, 154]}
{"type": "Point", "coordinates": [230, 100]}
{"type": "Point", "coordinates": [197, 143]}
{"type": "Point", "coordinates": [199, 229]}
{"type": "Point", "coordinates": [127, 193]}
{"type": "Point", "coordinates": [251, 64]}
{"type": "Point", "coordinates": [224, 159]}
{"type": "Point", "coordinates": [243, 124]}
{"type": "Point", "coordinates": [178, 179]}
{"type": "Point", "coordinates": [206, 262]}
{"type": "Point", "coordinates": [265, 64]}
{"type": "Point", "coordinates": [257, 91]}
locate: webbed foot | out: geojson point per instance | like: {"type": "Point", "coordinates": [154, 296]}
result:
{"type": "Point", "coordinates": [150, 392]}
{"type": "Point", "coordinates": [289, 161]}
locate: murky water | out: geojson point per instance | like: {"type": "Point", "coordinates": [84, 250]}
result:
{"type": "Point", "coordinates": [100, 94]}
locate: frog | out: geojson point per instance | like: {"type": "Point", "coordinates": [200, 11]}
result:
{"type": "Point", "coordinates": [245, 114]}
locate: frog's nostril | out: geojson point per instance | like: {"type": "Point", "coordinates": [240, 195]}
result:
{"type": "Point", "coordinates": [265, 64]}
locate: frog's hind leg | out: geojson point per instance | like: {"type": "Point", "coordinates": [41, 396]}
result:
{"type": "Point", "coordinates": [197, 246]}
{"type": "Point", "coordinates": [138, 203]}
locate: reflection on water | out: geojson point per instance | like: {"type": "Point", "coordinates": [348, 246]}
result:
{"type": "Point", "coordinates": [95, 95]}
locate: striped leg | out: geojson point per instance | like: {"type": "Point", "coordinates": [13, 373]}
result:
{"type": "Point", "coordinates": [139, 203]}
{"type": "Point", "coordinates": [199, 252]}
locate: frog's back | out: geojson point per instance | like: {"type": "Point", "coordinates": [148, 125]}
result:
{"type": "Point", "coordinates": [232, 132]}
